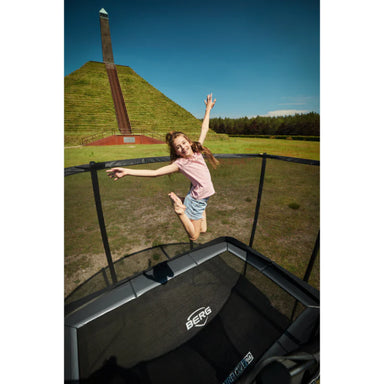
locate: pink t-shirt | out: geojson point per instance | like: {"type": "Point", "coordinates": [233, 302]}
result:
{"type": "Point", "coordinates": [197, 172]}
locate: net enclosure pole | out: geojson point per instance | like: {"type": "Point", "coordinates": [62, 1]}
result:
{"type": "Point", "coordinates": [100, 216]}
{"type": "Point", "coordinates": [309, 268]}
{"type": "Point", "coordinates": [260, 191]}
{"type": "Point", "coordinates": [312, 259]}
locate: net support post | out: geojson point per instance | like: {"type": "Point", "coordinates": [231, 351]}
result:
{"type": "Point", "coordinates": [309, 269]}
{"type": "Point", "coordinates": [260, 191]}
{"type": "Point", "coordinates": [312, 259]}
{"type": "Point", "coordinates": [100, 216]}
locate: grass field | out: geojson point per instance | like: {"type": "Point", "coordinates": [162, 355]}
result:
{"type": "Point", "coordinates": [138, 213]}
{"type": "Point", "coordinates": [83, 155]}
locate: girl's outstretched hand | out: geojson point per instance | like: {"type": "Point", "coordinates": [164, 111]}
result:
{"type": "Point", "coordinates": [116, 173]}
{"type": "Point", "coordinates": [209, 103]}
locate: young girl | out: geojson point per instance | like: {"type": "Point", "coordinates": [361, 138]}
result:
{"type": "Point", "coordinates": [187, 158]}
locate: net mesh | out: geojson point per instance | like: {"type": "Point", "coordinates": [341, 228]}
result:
{"type": "Point", "coordinates": [138, 215]}
{"type": "Point", "coordinates": [289, 217]}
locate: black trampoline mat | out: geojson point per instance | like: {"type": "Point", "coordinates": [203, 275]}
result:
{"type": "Point", "coordinates": [147, 340]}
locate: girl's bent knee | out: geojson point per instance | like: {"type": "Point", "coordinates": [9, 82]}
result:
{"type": "Point", "coordinates": [194, 238]}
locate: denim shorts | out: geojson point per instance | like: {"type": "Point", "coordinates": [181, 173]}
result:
{"type": "Point", "coordinates": [195, 208]}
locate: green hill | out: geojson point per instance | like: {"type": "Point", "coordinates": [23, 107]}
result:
{"type": "Point", "coordinates": [89, 109]}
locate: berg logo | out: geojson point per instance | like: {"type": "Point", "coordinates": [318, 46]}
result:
{"type": "Point", "coordinates": [198, 318]}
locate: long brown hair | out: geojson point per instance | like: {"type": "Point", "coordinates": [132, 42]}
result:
{"type": "Point", "coordinates": [195, 145]}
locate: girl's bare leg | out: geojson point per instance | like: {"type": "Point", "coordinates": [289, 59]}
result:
{"type": "Point", "coordinates": [204, 223]}
{"type": "Point", "coordinates": [192, 227]}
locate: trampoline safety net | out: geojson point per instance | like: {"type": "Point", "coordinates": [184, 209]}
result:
{"type": "Point", "coordinates": [208, 316]}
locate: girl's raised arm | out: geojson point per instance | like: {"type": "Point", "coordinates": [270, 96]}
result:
{"type": "Point", "coordinates": [209, 104]}
{"type": "Point", "coordinates": [118, 173]}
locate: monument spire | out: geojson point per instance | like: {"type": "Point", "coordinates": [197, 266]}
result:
{"type": "Point", "coordinates": [117, 96]}
{"type": "Point", "coordinates": [106, 41]}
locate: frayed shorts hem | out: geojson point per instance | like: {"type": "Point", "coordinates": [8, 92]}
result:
{"type": "Point", "coordinates": [195, 207]}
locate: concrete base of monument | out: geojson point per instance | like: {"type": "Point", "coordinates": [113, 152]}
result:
{"type": "Point", "coordinates": [126, 139]}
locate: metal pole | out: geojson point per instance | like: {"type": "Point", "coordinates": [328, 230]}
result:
{"type": "Point", "coordinates": [261, 184]}
{"type": "Point", "coordinates": [313, 258]}
{"type": "Point", "coordinates": [99, 209]}
{"type": "Point", "coordinates": [309, 268]}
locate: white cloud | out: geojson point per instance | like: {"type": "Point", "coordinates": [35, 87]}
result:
{"type": "Point", "coordinates": [285, 112]}
{"type": "Point", "coordinates": [292, 103]}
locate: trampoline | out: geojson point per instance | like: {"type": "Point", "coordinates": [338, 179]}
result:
{"type": "Point", "coordinates": [220, 312]}
{"type": "Point", "coordinates": [196, 318]}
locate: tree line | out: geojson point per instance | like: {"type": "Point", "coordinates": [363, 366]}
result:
{"type": "Point", "coordinates": [299, 124]}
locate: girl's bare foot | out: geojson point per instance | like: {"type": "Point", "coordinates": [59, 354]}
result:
{"type": "Point", "coordinates": [177, 203]}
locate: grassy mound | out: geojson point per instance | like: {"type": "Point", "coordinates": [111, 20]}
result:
{"type": "Point", "coordinates": [89, 109]}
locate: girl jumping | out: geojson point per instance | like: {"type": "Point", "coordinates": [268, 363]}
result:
{"type": "Point", "coordinates": [187, 158]}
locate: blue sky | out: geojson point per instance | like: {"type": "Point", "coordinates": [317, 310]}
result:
{"type": "Point", "coordinates": [257, 57]}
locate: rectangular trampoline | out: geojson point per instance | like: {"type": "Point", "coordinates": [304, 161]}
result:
{"type": "Point", "coordinates": [210, 315]}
